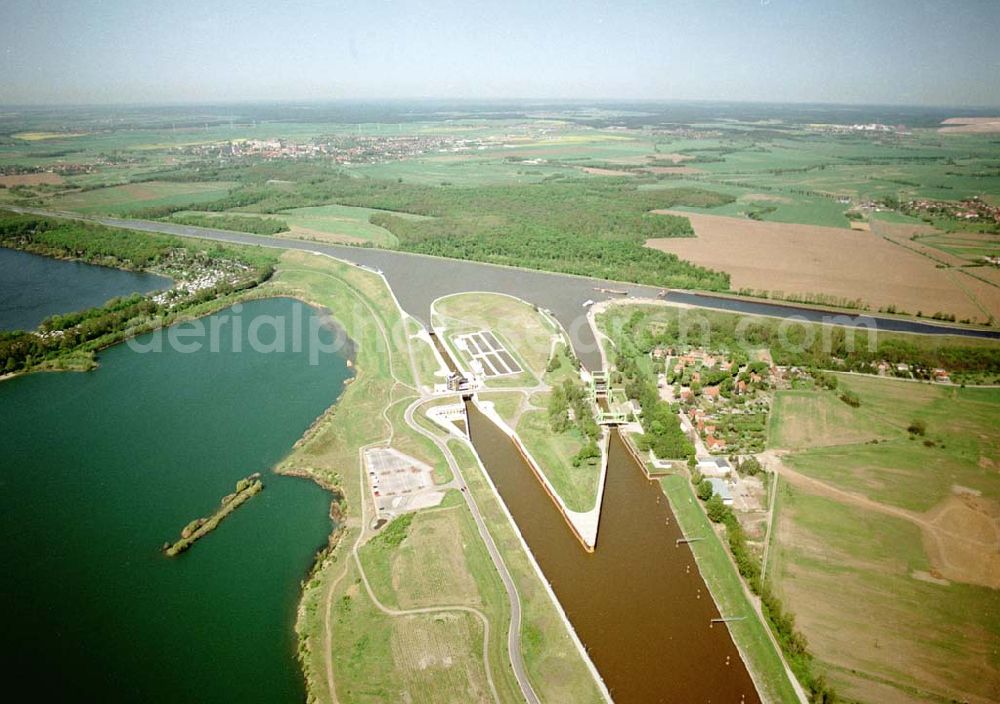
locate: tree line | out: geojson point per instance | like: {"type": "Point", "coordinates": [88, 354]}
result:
{"type": "Point", "coordinates": [575, 226]}
{"type": "Point", "coordinates": [100, 326]}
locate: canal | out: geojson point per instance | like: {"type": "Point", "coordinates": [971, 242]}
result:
{"type": "Point", "coordinates": [638, 602]}
{"type": "Point", "coordinates": [418, 280]}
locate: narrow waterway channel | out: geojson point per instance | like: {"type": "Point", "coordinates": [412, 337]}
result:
{"type": "Point", "coordinates": [638, 603]}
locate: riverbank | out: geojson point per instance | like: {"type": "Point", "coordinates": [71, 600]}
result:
{"type": "Point", "coordinates": [333, 643]}
{"type": "Point", "coordinates": [200, 277]}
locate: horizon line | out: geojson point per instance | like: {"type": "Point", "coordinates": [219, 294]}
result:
{"type": "Point", "coordinates": [497, 100]}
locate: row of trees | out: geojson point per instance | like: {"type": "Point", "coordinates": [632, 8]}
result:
{"type": "Point", "coordinates": [86, 330]}
{"type": "Point", "coordinates": [661, 428]}
{"type": "Point", "coordinates": [567, 397]}
{"type": "Point", "coordinates": [807, 345]}
{"type": "Point", "coordinates": [239, 223]}
{"type": "Point", "coordinates": [792, 642]}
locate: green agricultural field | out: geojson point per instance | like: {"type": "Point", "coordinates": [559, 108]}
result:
{"type": "Point", "coordinates": [884, 543]}
{"type": "Point", "coordinates": [121, 200]}
{"type": "Point", "coordinates": [462, 171]}
{"type": "Point", "coordinates": [338, 223]}
{"type": "Point", "coordinates": [901, 469]}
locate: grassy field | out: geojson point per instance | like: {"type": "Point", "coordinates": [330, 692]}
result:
{"type": "Point", "coordinates": [429, 657]}
{"type": "Point", "coordinates": [442, 562]}
{"type": "Point", "coordinates": [337, 223]}
{"type": "Point", "coordinates": [528, 333]}
{"type": "Point", "coordinates": [121, 200]}
{"type": "Point", "coordinates": [887, 551]}
{"type": "Point", "coordinates": [901, 469]}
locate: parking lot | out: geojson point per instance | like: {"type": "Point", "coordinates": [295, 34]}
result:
{"type": "Point", "coordinates": [399, 483]}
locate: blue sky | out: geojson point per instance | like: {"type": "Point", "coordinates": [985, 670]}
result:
{"type": "Point", "coordinates": [850, 51]}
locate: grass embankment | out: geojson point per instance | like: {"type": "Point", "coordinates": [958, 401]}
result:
{"type": "Point", "coordinates": [345, 641]}
{"type": "Point", "coordinates": [200, 527]}
{"type": "Point", "coordinates": [885, 540]}
{"type": "Point", "coordinates": [557, 672]}
{"type": "Point", "coordinates": [537, 344]}
{"type": "Point", "coordinates": [719, 574]}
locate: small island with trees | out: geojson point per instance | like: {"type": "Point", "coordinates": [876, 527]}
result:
{"type": "Point", "coordinates": [200, 527]}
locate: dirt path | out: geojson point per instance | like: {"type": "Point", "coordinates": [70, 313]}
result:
{"type": "Point", "coordinates": [944, 542]}
{"type": "Point", "coordinates": [514, 632]}
{"type": "Point", "coordinates": [363, 537]}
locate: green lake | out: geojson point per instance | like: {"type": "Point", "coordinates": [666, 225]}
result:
{"type": "Point", "coordinates": [99, 469]}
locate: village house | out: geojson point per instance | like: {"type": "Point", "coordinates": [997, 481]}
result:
{"type": "Point", "coordinates": [715, 444]}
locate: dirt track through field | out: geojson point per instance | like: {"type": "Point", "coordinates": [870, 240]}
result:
{"type": "Point", "coordinates": [961, 535]}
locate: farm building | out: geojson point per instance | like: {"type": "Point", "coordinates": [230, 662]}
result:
{"type": "Point", "coordinates": [721, 487]}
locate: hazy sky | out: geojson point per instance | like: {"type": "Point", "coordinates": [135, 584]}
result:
{"type": "Point", "coordinates": [850, 51]}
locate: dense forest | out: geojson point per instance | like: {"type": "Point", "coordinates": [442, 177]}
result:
{"type": "Point", "coordinates": [238, 223]}
{"type": "Point", "coordinates": [576, 226]}
{"type": "Point", "coordinates": [87, 242]}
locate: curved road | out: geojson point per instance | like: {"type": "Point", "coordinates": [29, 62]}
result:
{"type": "Point", "coordinates": [514, 599]}
{"type": "Point", "coordinates": [515, 656]}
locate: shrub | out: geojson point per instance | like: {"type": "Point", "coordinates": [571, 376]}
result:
{"type": "Point", "coordinates": [705, 490]}
{"type": "Point", "coordinates": [850, 398]}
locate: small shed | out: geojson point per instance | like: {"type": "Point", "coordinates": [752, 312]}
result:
{"type": "Point", "coordinates": [721, 487]}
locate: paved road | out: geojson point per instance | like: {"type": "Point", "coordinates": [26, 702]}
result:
{"type": "Point", "coordinates": [514, 632]}
{"type": "Point", "coordinates": [418, 280]}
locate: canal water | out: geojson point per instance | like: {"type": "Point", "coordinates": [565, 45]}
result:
{"type": "Point", "coordinates": [638, 602]}
{"type": "Point", "coordinates": [33, 287]}
{"type": "Point", "coordinates": [98, 470]}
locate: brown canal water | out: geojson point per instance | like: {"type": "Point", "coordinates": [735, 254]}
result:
{"type": "Point", "coordinates": [638, 602]}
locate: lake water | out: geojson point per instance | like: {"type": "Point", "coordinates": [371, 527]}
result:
{"type": "Point", "coordinates": [33, 287]}
{"type": "Point", "coordinates": [98, 470]}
